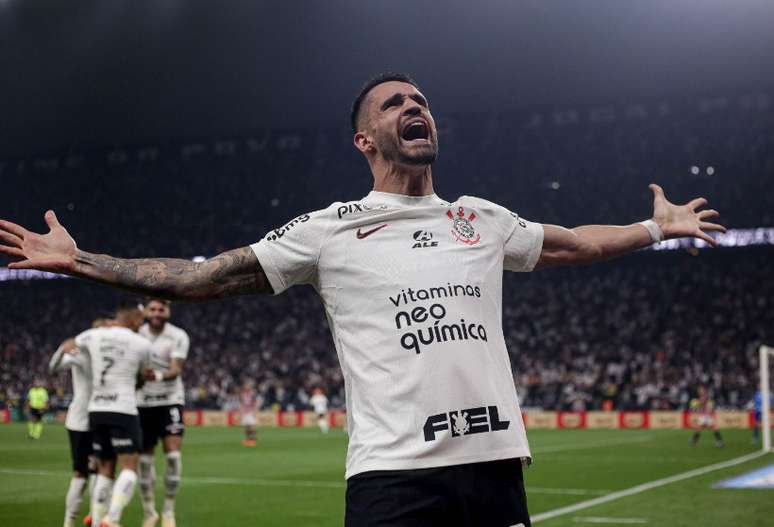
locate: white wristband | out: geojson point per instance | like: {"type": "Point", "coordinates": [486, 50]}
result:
{"type": "Point", "coordinates": [158, 374]}
{"type": "Point", "coordinates": [654, 230]}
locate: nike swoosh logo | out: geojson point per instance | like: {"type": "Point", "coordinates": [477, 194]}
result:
{"type": "Point", "coordinates": [361, 235]}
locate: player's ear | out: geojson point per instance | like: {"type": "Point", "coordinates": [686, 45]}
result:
{"type": "Point", "coordinates": [363, 142]}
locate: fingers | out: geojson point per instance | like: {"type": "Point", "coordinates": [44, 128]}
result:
{"type": "Point", "coordinates": [52, 265]}
{"type": "Point", "coordinates": [10, 239]}
{"type": "Point", "coordinates": [24, 264]}
{"type": "Point", "coordinates": [11, 251]}
{"type": "Point", "coordinates": [706, 226]}
{"type": "Point", "coordinates": [51, 219]}
{"type": "Point", "coordinates": [11, 227]}
{"type": "Point", "coordinates": [696, 203]}
{"type": "Point", "coordinates": [709, 213]}
{"type": "Point", "coordinates": [707, 238]}
{"type": "Point", "coordinates": [658, 192]}
{"type": "Point", "coordinates": [656, 189]}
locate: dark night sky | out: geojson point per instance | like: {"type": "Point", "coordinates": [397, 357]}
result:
{"type": "Point", "coordinates": [101, 72]}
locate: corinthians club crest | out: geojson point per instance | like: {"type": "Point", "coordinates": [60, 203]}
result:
{"type": "Point", "coordinates": [462, 227]}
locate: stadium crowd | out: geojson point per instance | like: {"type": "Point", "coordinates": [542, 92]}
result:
{"type": "Point", "coordinates": [640, 333]}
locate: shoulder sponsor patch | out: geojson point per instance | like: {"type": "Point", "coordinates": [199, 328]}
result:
{"type": "Point", "coordinates": [276, 234]}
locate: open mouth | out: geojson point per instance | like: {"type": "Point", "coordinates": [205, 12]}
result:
{"type": "Point", "coordinates": [416, 130]}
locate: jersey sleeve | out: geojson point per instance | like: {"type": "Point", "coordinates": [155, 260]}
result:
{"type": "Point", "coordinates": [182, 343]}
{"type": "Point", "coordinates": [522, 239]}
{"type": "Point", "coordinates": [524, 245]}
{"type": "Point", "coordinates": [56, 362]}
{"type": "Point", "coordinates": [67, 360]}
{"type": "Point", "coordinates": [82, 340]}
{"type": "Point", "coordinates": [289, 255]}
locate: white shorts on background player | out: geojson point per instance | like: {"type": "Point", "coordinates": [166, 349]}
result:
{"type": "Point", "coordinates": [706, 420]}
{"type": "Point", "coordinates": [116, 356]}
{"type": "Point", "coordinates": [79, 364]}
{"type": "Point", "coordinates": [171, 343]}
{"type": "Point", "coordinates": [320, 404]}
{"type": "Point", "coordinates": [412, 288]}
{"type": "Point", "coordinates": [248, 418]}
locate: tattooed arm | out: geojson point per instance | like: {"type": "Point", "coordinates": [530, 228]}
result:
{"type": "Point", "coordinates": [232, 273]}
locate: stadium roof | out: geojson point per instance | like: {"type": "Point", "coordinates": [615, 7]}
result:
{"type": "Point", "coordinates": [95, 73]}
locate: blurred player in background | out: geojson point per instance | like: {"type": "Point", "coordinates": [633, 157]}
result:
{"type": "Point", "coordinates": [248, 406]}
{"type": "Point", "coordinates": [320, 404]}
{"type": "Point", "coordinates": [704, 407]}
{"type": "Point", "coordinates": [117, 357]}
{"type": "Point", "coordinates": [68, 356]}
{"type": "Point", "coordinates": [37, 404]}
{"type": "Point", "coordinates": [160, 403]}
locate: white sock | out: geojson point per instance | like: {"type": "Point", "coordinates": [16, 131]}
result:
{"type": "Point", "coordinates": [123, 490]}
{"type": "Point", "coordinates": [322, 422]}
{"type": "Point", "coordinates": [172, 480]}
{"type": "Point", "coordinates": [92, 481]}
{"type": "Point", "coordinates": [148, 484]}
{"type": "Point", "coordinates": [103, 488]}
{"type": "Point", "coordinates": [74, 498]}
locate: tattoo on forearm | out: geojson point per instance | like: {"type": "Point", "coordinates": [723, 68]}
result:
{"type": "Point", "coordinates": [235, 272]}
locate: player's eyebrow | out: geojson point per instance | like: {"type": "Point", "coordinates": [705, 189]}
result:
{"type": "Point", "coordinates": [418, 97]}
{"type": "Point", "coordinates": [395, 99]}
{"type": "Point", "coordinates": [398, 99]}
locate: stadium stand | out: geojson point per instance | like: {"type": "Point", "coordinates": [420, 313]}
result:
{"type": "Point", "coordinates": [638, 335]}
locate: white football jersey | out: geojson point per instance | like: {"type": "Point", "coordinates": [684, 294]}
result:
{"type": "Point", "coordinates": [171, 343]}
{"type": "Point", "coordinates": [79, 364]}
{"type": "Point", "coordinates": [117, 355]}
{"type": "Point", "coordinates": [320, 403]}
{"type": "Point", "coordinates": [412, 288]}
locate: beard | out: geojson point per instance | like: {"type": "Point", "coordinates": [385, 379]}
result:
{"type": "Point", "coordinates": [393, 149]}
{"type": "Point", "coordinates": [426, 157]}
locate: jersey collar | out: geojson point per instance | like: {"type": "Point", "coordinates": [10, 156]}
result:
{"type": "Point", "coordinates": [388, 198]}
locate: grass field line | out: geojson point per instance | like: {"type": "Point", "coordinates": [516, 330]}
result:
{"type": "Point", "coordinates": [214, 480]}
{"type": "Point", "coordinates": [607, 519]}
{"type": "Point", "coordinates": [645, 487]}
{"type": "Point", "coordinates": [584, 446]}
{"type": "Point", "coordinates": [566, 492]}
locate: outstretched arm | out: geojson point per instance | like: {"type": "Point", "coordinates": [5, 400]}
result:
{"type": "Point", "coordinates": [593, 243]}
{"type": "Point", "coordinates": [231, 273]}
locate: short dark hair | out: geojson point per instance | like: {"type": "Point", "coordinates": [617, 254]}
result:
{"type": "Point", "coordinates": [149, 299]}
{"type": "Point", "coordinates": [371, 84]}
{"type": "Point", "coordinates": [127, 305]}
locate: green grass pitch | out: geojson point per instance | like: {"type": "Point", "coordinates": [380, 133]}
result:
{"type": "Point", "coordinates": [295, 477]}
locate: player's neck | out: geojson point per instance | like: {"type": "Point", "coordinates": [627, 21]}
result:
{"type": "Point", "coordinates": [402, 179]}
{"type": "Point", "coordinates": [156, 330]}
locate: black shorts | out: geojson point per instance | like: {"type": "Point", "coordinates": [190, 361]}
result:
{"type": "Point", "coordinates": [158, 422]}
{"type": "Point", "coordinates": [114, 433]}
{"type": "Point", "coordinates": [487, 494]}
{"type": "Point", "coordinates": [80, 450]}
{"type": "Point", "coordinates": [36, 414]}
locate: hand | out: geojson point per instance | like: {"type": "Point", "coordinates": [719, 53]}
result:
{"type": "Point", "coordinates": [54, 251]}
{"type": "Point", "coordinates": [69, 347]}
{"type": "Point", "coordinates": [680, 221]}
{"type": "Point", "coordinates": [148, 374]}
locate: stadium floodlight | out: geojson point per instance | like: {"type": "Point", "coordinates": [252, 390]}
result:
{"type": "Point", "coordinates": [765, 353]}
